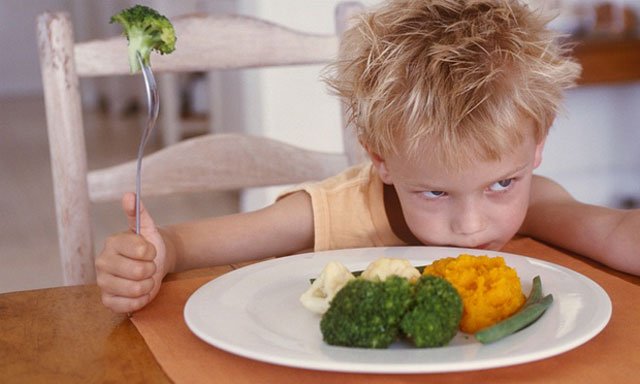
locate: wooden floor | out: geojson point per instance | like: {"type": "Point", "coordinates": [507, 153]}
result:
{"type": "Point", "coordinates": [28, 239]}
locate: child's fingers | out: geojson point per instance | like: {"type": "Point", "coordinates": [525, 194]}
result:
{"type": "Point", "coordinates": [117, 286]}
{"type": "Point", "coordinates": [129, 207]}
{"type": "Point", "coordinates": [120, 304]}
{"type": "Point", "coordinates": [129, 245]}
{"type": "Point", "coordinates": [132, 270]}
{"type": "Point", "coordinates": [128, 256]}
{"type": "Point", "coordinates": [129, 204]}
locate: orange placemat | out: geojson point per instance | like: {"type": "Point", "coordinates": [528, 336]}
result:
{"type": "Point", "coordinates": [612, 356]}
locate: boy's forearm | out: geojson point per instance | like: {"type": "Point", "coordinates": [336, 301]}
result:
{"type": "Point", "coordinates": [602, 234]}
{"type": "Point", "coordinates": [201, 244]}
{"type": "Point", "coordinates": [170, 250]}
{"type": "Point", "coordinates": [562, 225]}
{"type": "Point", "coordinates": [624, 241]}
{"type": "Point", "coordinates": [555, 217]}
{"type": "Point", "coordinates": [283, 228]}
{"type": "Point", "coordinates": [183, 244]}
{"type": "Point", "coordinates": [188, 246]}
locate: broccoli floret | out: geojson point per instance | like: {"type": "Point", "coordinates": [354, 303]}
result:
{"type": "Point", "coordinates": [146, 30]}
{"type": "Point", "coordinates": [435, 315]}
{"type": "Point", "coordinates": [367, 313]}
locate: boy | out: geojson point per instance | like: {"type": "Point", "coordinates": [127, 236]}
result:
{"type": "Point", "coordinates": [452, 100]}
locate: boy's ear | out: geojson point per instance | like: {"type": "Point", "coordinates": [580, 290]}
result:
{"type": "Point", "coordinates": [380, 166]}
{"type": "Point", "coordinates": [538, 155]}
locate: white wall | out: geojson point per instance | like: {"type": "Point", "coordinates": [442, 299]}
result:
{"type": "Point", "coordinates": [592, 149]}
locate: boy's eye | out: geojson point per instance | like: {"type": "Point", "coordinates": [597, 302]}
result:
{"type": "Point", "coordinates": [501, 185]}
{"type": "Point", "coordinates": [433, 194]}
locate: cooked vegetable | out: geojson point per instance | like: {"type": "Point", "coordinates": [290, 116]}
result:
{"type": "Point", "coordinates": [384, 267]}
{"type": "Point", "coordinates": [435, 316]}
{"type": "Point", "coordinates": [402, 268]}
{"type": "Point", "coordinates": [375, 308]}
{"type": "Point", "coordinates": [367, 313]}
{"type": "Point", "coordinates": [146, 30]}
{"type": "Point", "coordinates": [333, 277]}
{"type": "Point", "coordinates": [489, 288]}
{"type": "Point", "coordinates": [535, 306]}
{"type": "Point", "coordinates": [536, 291]}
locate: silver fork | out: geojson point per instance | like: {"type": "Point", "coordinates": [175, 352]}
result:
{"type": "Point", "coordinates": [153, 106]}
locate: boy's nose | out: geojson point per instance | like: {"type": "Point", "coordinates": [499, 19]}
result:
{"type": "Point", "coordinates": [469, 220]}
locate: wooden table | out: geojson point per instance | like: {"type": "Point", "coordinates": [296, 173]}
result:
{"type": "Point", "coordinates": [65, 335]}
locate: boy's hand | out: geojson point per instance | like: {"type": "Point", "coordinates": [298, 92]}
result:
{"type": "Point", "coordinates": [131, 267]}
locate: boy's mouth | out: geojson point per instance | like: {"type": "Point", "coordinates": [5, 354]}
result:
{"type": "Point", "coordinates": [484, 246]}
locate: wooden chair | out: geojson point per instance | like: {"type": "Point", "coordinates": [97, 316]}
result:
{"type": "Point", "coordinates": [209, 162]}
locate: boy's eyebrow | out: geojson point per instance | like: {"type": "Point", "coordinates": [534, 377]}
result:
{"type": "Point", "coordinates": [514, 171]}
{"type": "Point", "coordinates": [506, 175]}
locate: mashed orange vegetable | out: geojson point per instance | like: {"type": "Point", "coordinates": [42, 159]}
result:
{"type": "Point", "coordinates": [489, 288]}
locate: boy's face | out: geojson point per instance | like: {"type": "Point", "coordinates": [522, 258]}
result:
{"type": "Point", "coordinates": [480, 206]}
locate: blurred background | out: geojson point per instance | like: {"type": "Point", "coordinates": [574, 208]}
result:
{"type": "Point", "coordinates": [592, 148]}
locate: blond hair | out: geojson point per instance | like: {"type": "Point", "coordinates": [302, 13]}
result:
{"type": "Point", "coordinates": [454, 75]}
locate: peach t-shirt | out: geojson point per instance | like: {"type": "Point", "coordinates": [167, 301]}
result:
{"type": "Point", "coordinates": [348, 210]}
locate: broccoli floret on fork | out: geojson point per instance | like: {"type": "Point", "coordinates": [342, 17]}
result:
{"type": "Point", "coordinates": [146, 30]}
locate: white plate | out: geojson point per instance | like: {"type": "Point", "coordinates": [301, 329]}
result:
{"type": "Point", "coordinates": [255, 312]}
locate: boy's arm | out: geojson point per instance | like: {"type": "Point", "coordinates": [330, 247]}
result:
{"type": "Point", "coordinates": [130, 267]}
{"type": "Point", "coordinates": [284, 228]}
{"type": "Point", "coordinates": [610, 236]}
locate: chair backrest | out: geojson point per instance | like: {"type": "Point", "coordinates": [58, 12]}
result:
{"type": "Point", "coordinates": [208, 162]}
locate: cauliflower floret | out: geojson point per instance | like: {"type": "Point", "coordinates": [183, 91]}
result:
{"type": "Point", "coordinates": [333, 277]}
{"type": "Point", "coordinates": [385, 267]}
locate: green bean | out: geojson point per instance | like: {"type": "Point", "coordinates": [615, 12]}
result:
{"type": "Point", "coordinates": [521, 319]}
{"type": "Point", "coordinates": [536, 292]}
